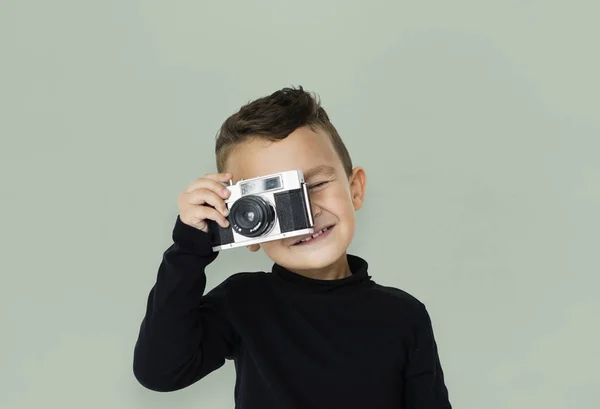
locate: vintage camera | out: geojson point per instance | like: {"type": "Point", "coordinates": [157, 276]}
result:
{"type": "Point", "coordinates": [265, 208]}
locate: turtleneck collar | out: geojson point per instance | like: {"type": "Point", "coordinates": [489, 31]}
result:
{"type": "Point", "coordinates": [358, 268]}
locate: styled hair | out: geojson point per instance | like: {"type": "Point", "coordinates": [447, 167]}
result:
{"type": "Point", "coordinates": [273, 118]}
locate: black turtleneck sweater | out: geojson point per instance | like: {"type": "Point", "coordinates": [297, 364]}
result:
{"type": "Point", "coordinates": [296, 342]}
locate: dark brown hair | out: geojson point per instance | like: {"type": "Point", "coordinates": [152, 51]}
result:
{"type": "Point", "coordinates": [273, 118]}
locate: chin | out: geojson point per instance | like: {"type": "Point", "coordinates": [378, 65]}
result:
{"type": "Point", "coordinates": [311, 256]}
{"type": "Point", "coordinates": [307, 258]}
{"type": "Point", "coordinates": [316, 261]}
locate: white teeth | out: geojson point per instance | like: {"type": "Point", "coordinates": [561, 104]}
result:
{"type": "Point", "coordinates": [314, 235]}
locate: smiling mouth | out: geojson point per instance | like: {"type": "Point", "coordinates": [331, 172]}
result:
{"type": "Point", "coordinates": [314, 235]}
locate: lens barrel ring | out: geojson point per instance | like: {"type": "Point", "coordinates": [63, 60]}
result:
{"type": "Point", "coordinates": [251, 216]}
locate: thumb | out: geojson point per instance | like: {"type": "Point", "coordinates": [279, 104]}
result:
{"type": "Point", "coordinates": [254, 247]}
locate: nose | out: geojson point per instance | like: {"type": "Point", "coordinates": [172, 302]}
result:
{"type": "Point", "coordinates": [316, 209]}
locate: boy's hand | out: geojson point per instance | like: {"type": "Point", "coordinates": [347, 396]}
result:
{"type": "Point", "coordinates": [203, 199]}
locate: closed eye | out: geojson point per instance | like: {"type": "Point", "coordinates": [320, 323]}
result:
{"type": "Point", "coordinates": [317, 185]}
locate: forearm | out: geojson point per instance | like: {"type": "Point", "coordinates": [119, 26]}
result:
{"type": "Point", "coordinates": [182, 336]}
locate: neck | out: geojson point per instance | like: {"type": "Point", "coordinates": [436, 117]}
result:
{"type": "Point", "coordinates": [339, 269]}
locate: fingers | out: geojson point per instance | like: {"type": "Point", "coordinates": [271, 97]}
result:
{"type": "Point", "coordinates": [204, 199]}
{"type": "Point", "coordinates": [211, 182]}
{"type": "Point", "coordinates": [220, 177]}
{"type": "Point", "coordinates": [205, 196]}
{"type": "Point", "coordinates": [199, 214]}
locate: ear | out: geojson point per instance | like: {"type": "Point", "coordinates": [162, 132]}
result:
{"type": "Point", "coordinates": [358, 183]}
{"type": "Point", "coordinates": [253, 247]}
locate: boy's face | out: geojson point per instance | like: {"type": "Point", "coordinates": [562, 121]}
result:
{"type": "Point", "coordinates": [334, 196]}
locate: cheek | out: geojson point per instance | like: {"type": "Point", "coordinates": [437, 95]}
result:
{"type": "Point", "coordinates": [342, 208]}
{"type": "Point", "coordinates": [339, 203]}
{"type": "Point", "coordinates": [268, 246]}
{"type": "Point", "coordinates": [272, 248]}
{"type": "Point", "coordinates": [277, 252]}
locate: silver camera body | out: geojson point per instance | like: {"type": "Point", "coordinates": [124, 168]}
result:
{"type": "Point", "coordinates": [263, 209]}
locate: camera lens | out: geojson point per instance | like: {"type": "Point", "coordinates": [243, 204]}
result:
{"type": "Point", "coordinates": [252, 216]}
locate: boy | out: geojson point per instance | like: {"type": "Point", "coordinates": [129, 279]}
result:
{"type": "Point", "coordinates": [317, 331]}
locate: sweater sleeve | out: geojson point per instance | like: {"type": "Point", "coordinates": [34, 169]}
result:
{"type": "Point", "coordinates": [424, 386]}
{"type": "Point", "coordinates": [185, 334]}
